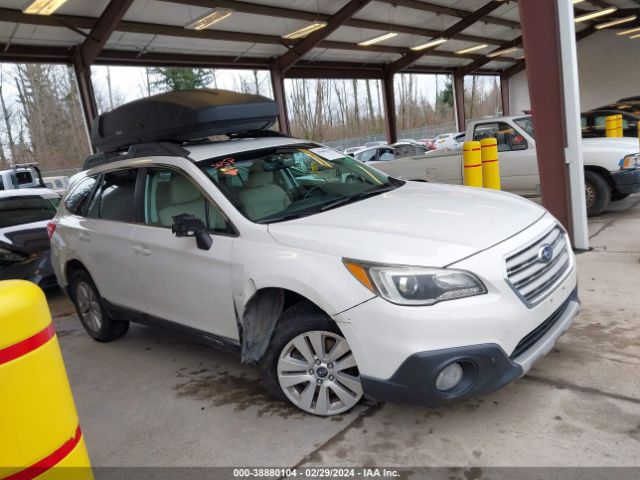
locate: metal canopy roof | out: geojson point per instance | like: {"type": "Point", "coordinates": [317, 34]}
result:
{"type": "Point", "coordinates": [140, 32]}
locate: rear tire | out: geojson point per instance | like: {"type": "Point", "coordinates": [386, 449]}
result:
{"type": "Point", "coordinates": [90, 307]}
{"type": "Point", "coordinates": [597, 191]}
{"type": "Point", "coordinates": [616, 197]}
{"type": "Point", "coordinates": [310, 364]}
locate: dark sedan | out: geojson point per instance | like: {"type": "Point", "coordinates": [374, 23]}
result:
{"type": "Point", "coordinates": [24, 243]}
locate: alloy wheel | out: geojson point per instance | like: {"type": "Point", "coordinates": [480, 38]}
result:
{"type": "Point", "coordinates": [318, 373]}
{"type": "Point", "coordinates": [88, 306]}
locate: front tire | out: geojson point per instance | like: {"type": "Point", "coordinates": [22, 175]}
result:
{"type": "Point", "coordinates": [93, 316]}
{"type": "Point", "coordinates": [597, 191]}
{"type": "Point", "coordinates": [310, 364]}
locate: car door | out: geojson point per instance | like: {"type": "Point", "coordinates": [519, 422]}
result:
{"type": "Point", "coordinates": [517, 156]}
{"type": "Point", "coordinates": [102, 238]}
{"type": "Point", "coordinates": [180, 282]}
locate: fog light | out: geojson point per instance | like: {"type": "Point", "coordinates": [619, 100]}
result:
{"type": "Point", "coordinates": [449, 377]}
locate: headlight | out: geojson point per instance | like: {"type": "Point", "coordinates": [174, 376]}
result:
{"type": "Point", "coordinates": [7, 257]}
{"type": "Point", "coordinates": [415, 285]}
{"type": "Point", "coordinates": [629, 162]}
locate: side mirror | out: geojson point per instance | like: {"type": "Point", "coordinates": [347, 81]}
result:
{"type": "Point", "coordinates": [186, 225]}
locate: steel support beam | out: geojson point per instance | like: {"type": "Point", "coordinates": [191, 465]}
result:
{"type": "Point", "coordinates": [390, 119]}
{"type": "Point", "coordinates": [458, 95]}
{"type": "Point", "coordinates": [504, 94]}
{"type": "Point", "coordinates": [412, 57]}
{"type": "Point", "coordinates": [450, 11]}
{"type": "Point", "coordinates": [304, 46]}
{"type": "Point", "coordinates": [542, 49]}
{"type": "Point", "coordinates": [283, 12]}
{"type": "Point", "coordinates": [277, 83]}
{"type": "Point", "coordinates": [85, 89]}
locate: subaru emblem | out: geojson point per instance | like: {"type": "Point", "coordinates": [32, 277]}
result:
{"type": "Point", "coordinates": [545, 254]}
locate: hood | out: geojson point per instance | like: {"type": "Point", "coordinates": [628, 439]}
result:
{"type": "Point", "coordinates": [27, 238]}
{"type": "Point", "coordinates": [625, 145]}
{"type": "Point", "coordinates": [417, 224]}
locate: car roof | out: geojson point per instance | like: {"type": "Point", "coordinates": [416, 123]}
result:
{"type": "Point", "coordinates": [24, 192]}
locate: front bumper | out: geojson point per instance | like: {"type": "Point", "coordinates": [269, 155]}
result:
{"type": "Point", "coordinates": [36, 268]}
{"type": "Point", "coordinates": [626, 181]}
{"type": "Point", "coordinates": [486, 367]}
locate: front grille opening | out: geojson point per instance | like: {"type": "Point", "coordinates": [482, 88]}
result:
{"type": "Point", "coordinates": [532, 278]}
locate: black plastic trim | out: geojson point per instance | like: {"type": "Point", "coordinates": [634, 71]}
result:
{"type": "Point", "coordinates": [486, 368]}
{"type": "Point", "coordinates": [123, 313]}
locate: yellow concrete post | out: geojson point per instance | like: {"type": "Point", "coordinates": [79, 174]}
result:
{"type": "Point", "coordinates": [619, 129]}
{"type": "Point", "coordinates": [611, 126]}
{"type": "Point", "coordinates": [490, 164]}
{"type": "Point", "coordinates": [40, 434]}
{"type": "Point", "coordinates": [472, 158]}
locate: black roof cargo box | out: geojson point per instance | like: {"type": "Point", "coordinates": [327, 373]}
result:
{"type": "Point", "coordinates": [181, 116]}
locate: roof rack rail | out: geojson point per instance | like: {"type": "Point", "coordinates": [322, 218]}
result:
{"type": "Point", "coordinates": [155, 149]}
{"type": "Point", "coordinates": [257, 134]}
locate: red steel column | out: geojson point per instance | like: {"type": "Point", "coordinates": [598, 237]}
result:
{"type": "Point", "coordinates": [458, 93]}
{"type": "Point", "coordinates": [539, 19]}
{"type": "Point", "coordinates": [504, 93]}
{"type": "Point", "coordinates": [277, 82]}
{"type": "Point", "coordinates": [390, 124]}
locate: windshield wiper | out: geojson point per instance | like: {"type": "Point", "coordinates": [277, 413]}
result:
{"type": "Point", "coordinates": [358, 196]}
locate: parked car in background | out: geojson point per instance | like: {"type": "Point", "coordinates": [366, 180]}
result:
{"type": "Point", "coordinates": [611, 164]}
{"type": "Point", "coordinates": [24, 175]}
{"type": "Point", "coordinates": [629, 106]}
{"type": "Point", "coordinates": [404, 148]}
{"type": "Point", "coordinates": [376, 143]}
{"type": "Point", "coordinates": [450, 141]}
{"type": "Point", "coordinates": [24, 243]}
{"type": "Point", "coordinates": [375, 154]}
{"type": "Point", "coordinates": [58, 184]}
{"type": "Point", "coordinates": [594, 123]}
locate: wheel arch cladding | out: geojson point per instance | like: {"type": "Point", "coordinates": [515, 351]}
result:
{"type": "Point", "coordinates": [260, 320]}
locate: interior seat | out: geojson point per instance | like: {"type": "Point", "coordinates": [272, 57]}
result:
{"type": "Point", "coordinates": [261, 196]}
{"type": "Point", "coordinates": [184, 197]}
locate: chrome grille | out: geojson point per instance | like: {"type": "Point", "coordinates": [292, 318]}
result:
{"type": "Point", "coordinates": [533, 279]}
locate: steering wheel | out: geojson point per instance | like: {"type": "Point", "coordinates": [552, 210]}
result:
{"type": "Point", "coordinates": [312, 189]}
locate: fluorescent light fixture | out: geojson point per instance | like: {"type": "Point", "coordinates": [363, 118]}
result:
{"type": "Point", "coordinates": [472, 49]}
{"type": "Point", "coordinates": [577, 1]}
{"type": "Point", "coordinates": [626, 32]}
{"type": "Point", "coordinates": [432, 43]}
{"type": "Point", "coordinates": [635, 36]}
{"type": "Point", "coordinates": [208, 19]}
{"type": "Point", "coordinates": [596, 14]}
{"type": "Point", "coordinates": [497, 53]}
{"type": "Point", "coordinates": [380, 38]}
{"type": "Point", "coordinates": [619, 21]}
{"type": "Point", "coordinates": [43, 7]}
{"type": "Point", "coordinates": [304, 31]}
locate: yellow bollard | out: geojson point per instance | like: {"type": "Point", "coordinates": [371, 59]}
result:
{"type": "Point", "coordinates": [611, 126]}
{"type": "Point", "coordinates": [619, 129]}
{"type": "Point", "coordinates": [490, 164]}
{"type": "Point", "coordinates": [40, 434]}
{"type": "Point", "coordinates": [472, 164]}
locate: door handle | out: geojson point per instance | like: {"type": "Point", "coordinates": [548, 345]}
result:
{"type": "Point", "coordinates": [140, 250]}
{"type": "Point", "coordinates": [85, 237]}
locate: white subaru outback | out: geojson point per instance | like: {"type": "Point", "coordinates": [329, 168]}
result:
{"type": "Point", "coordinates": [337, 280]}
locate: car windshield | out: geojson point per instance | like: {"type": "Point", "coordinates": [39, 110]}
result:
{"type": "Point", "coordinates": [26, 209]}
{"type": "Point", "coordinates": [284, 183]}
{"type": "Point", "coordinates": [526, 123]}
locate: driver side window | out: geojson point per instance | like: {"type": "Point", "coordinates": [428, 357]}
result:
{"type": "Point", "coordinates": [508, 138]}
{"type": "Point", "coordinates": [168, 193]}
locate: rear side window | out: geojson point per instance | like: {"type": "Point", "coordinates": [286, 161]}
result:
{"type": "Point", "coordinates": [507, 137]}
{"type": "Point", "coordinates": [114, 199]}
{"type": "Point", "coordinates": [76, 201]}
{"type": "Point", "coordinates": [24, 177]}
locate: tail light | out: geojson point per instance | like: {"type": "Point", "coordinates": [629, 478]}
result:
{"type": "Point", "coordinates": [51, 228]}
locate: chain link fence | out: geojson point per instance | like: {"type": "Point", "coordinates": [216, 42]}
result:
{"type": "Point", "coordinates": [414, 133]}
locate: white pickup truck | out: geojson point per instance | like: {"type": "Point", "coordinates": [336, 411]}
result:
{"type": "Point", "coordinates": [25, 175]}
{"type": "Point", "coordinates": [611, 164]}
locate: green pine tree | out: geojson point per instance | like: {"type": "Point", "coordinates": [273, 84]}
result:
{"type": "Point", "coordinates": [178, 78]}
{"type": "Point", "coordinates": [445, 96]}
